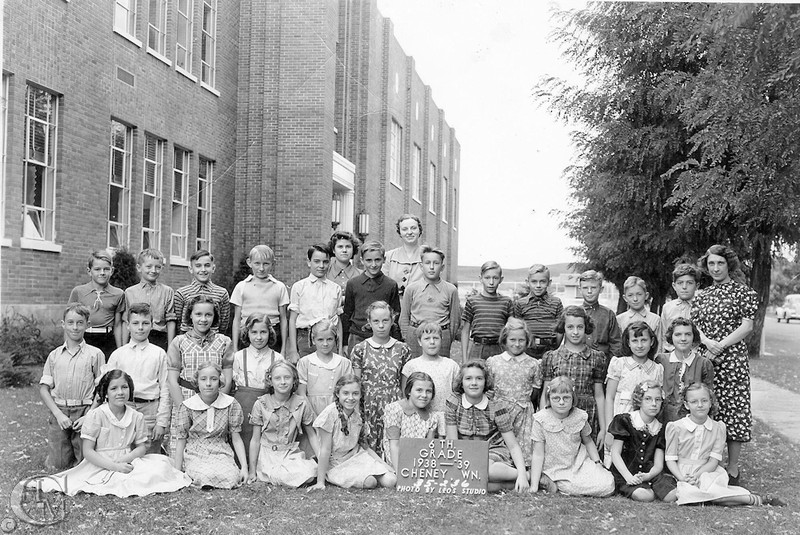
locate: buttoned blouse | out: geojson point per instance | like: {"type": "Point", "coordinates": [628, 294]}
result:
{"type": "Point", "coordinates": [281, 421]}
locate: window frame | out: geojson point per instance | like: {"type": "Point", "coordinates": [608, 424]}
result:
{"type": "Point", "coordinates": [184, 156]}
{"type": "Point", "coordinates": [157, 164]}
{"type": "Point", "coordinates": [432, 187]}
{"type": "Point", "coordinates": [205, 37]}
{"type": "Point", "coordinates": [123, 224]}
{"type": "Point", "coordinates": [395, 153]}
{"type": "Point", "coordinates": [185, 19]}
{"type": "Point", "coordinates": [126, 8]}
{"type": "Point", "coordinates": [416, 172]}
{"type": "Point", "coordinates": [443, 198]}
{"type": "Point", "coordinates": [159, 30]}
{"type": "Point", "coordinates": [205, 176]}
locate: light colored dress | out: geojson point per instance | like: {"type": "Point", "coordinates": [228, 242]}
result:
{"type": "Point", "coordinates": [514, 380]}
{"type": "Point", "coordinates": [320, 378]}
{"type": "Point", "coordinates": [250, 368]}
{"type": "Point", "coordinates": [280, 460]}
{"type": "Point", "coordinates": [629, 373]}
{"type": "Point", "coordinates": [115, 438]}
{"type": "Point", "coordinates": [208, 458]}
{"type": "Point", "coordinates": [397, 423]}
{"type": "Point", "coordinates": [350, 463]}
{"type": "Point", "coordinates": [443, 371]}
{"type": "Point", "coordinates": [566, 460]}
{"type": "Point", "coordinates": [692, 445]}
{"type": "Point", "coordinates": [380, 367]}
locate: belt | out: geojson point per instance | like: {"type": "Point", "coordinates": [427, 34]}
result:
{"type": "Point", "coordinates": [142, 400]}
{"type": "Point", "coordinates": [416, 324]}
{"type": "Point", "coordinates": [70, 403]}
{"type": "Point", "coordinates": [99, 330]}
{"type": "Point", "coordinates": [485, 340]}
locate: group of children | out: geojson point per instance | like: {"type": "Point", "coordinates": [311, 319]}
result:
{"type": "Point", "coordinates": [326, 391]}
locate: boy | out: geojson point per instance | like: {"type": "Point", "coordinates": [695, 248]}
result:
{"type": "Point", "coordinates": [313, 299]}
{"type": "Point", "coordinates": [363, 290]}
{"type": "Point", "coordinates": [344, 247]}
{"type": "Point", "coordinates": [606, 337]}
{"type": "Point", "coordinates": [636, 296]}
{"type": "Point", "coordinates": [540, 312]}
{"type": "Point", "coordinates": [430, 299]}
{"type": "Point", "coordinates": [160, 297]}
{"type": "Point", "coordinates": [202, 267]}
{"type": "Point", "coordinates": [106, 304]}
{"type": "Point", "coordinates": [484, 316]}
{"type": "Point", "coordinates": [67, 388]}
{"type": "Point", "coordinates": [146, 363]}
{"type": "Point", "coordinates": [684, 282]}
{"type": "Point", "coordinates": [261, 292]}
{"type": "Point", "coordinates": [443, 371]}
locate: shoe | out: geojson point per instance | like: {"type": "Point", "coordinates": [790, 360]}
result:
{"type": "Point", "coordinates": [547, 484]}
{"type": "Point", "coordinates": [774, 501]}
{"type": "Point", "coordinates": [734, 480]}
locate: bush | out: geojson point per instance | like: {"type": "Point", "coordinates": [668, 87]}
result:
{"type": "Point", "coordinates": [242, 271]}
{"type": "Point", "coordinates": [125, 274]}
{"type": "Point", "coordinates": [21, 339]}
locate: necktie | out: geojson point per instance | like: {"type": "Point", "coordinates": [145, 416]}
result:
{"type": "Point", "coordinates": [97, 302]}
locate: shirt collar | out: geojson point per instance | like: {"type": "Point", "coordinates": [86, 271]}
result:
{"type": "Point", "coordinates": [482, 404]}
{"type": "Point", "coordinates": [197, 284]}
{"type": "Point", "coordinates": [313, 280]}
{"type": "Point", "coordinates": [587, 306]}
{"type": "Point", "coordinates": [196, 403]}
{"type": "Point", "coordinates": [691, 426]}
{"type": "Point", "coordinates": [88, 289]}
{"type": "Point", "coordinates": [259, 355]}
{"type": "Point", "coordinates": [636, 419]}
{"type": "Point", "coordinates": [634, 314]}
{"type": "Point", "coordinates": [194, 335]}
{"type": "Point", "coordinates": [147, 285]}
{"type": "Point", "coordinates": [314, 359]}
{"type": "Point", "coordinates": [81, 347]}
{"type": "Point", "coordinates": [138, 346]}
{"type": "Point", "coordinates": [584, 353]}
{"type": "Point", "coordinates": [647, 365]}
{"type": "Point", "coordinates": [542, 297]}
{"type": "Point", "coordinates": [377, 278]}
{"type": "Point", "coordinates": [508, 357]}
{"type": "Point", "coordinates": [437, 284]}
{"type": "Point", "coordinates": [290, 404]}
{"type": "Point", "coordinates": [376, 345]}
{"type": "Point", "coordinates": [688, 360]}
{"type": "Point", "coordinates": [122, 423]}
{"type": "Point", "coordinates": [252, 277]}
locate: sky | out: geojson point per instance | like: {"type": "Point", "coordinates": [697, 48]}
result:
{"type": "Point", "coordinates": [482, 60]}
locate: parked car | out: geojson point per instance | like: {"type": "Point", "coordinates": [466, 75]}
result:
{"type": "Point", "coordinates": [790, 309]}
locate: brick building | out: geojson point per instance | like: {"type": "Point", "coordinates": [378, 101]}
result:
{"type": "Point", "coordinates": [182, 124]}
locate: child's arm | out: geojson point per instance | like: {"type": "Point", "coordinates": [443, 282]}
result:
{"type": "Point", "coordinates": [255, 448]}
{"type": "Point", "coordinates": [608, 407]}
{"type": "Point", "coordinates": [616, 459]}
{"type": "Point", "coordinates": [180, 446]}
{"type": "Point", "coordinates": [339, 333]}
{"type": "Point", "coordinates": [302, 389]}
{"type": "Point", "coordinates": [98, 459]}
{"type": "Point", "coordinates": [519, 462]}
{"type": "Point", "coordinates": [164, 411]}
{"type": "Point", "coordinates": [171, 329]}
{"type": "Point", "coordinates": [227, 369]}
{"type": "Point", "coordinates": [63, 420]}
{"type": "Point", "coordinates": [600, 401]}
{"type": "Point", "coordinates": [324, 457]}
{"type": "Point", "coordinates": [174, 388]}
{"type": "Point", "coordinates": [591, 448]}
{"type": "Point", "coordinates": [284, 326]}
{"type": "Point", "coordinates": [658, 465]}
{"type": "Point", "coordinates": [237, 318]}
{"type": "Point", "coordinates": [537, 463]}
{"type": "Point", "coordinates": [673, 467]}
{"type": "Point", "coordinates": [405, 314]}
{"type": "Point", "coordinates": [455, 312]}
{"type": "Point", "coordinates": [291, 353]}
{"type": "Point", "coordinates": [118, 328]}
{"type": "Point", "coordinates": [238, 448]}
{"type": "Point", "coordinates": [311, 433]}
{"type": "Point", "coordinates": [394, 450]}
{"type": "Point", "coordinates": [135, 453]}
{"type": "Point", "coordinates": [452, 432]}
{"type": "Point", "coordinates": [542, 399]}
{"type": "Point", "coordinates": [465, 328]}
{"type": "Point", "coordinates": [126, 336]}
{"type": "Point", "coordinates": [224, 312]}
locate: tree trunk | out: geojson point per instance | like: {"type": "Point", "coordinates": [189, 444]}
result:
{"type": "Point", "coordinates": [760, 282]}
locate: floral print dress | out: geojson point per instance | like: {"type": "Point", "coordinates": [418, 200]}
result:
{"type": "Point", "coordinates": [718, 311]}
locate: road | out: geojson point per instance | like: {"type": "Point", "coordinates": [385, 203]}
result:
{"type": "Point", "coordinates": [782, 340]}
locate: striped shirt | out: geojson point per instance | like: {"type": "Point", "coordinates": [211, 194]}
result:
{"type": "Point", "coordinates": [540, 314]}
{"type": "Point", "coordinates": [486, 315]}
{"type": "Point", "coordinates": [161, 299]}
{"type": "Point", "coordinates": [193, 289]}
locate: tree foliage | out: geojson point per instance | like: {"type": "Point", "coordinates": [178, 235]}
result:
{"type": "Point", "coordinates": [687, 127]}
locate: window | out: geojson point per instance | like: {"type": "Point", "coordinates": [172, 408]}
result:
{"type": "Point", "coordinates": [180, 200]}
{"type": "Point", "coordinates": [183, 39]}
{"type": "Point", "coordinates": [455, 208]}
{"type": "Point", "coordinates": [39, 165]}
{"type": "Point", "coordinates": [3, 155]}
{"type": "Point", "coordinates": [119, 185]}
{"type": "Point", "coordinates": [205, 177]}
{"type": "Point", "coordinates": [432, 188]}
{"type": "Point", "coordinates": [396, 82]}
{"type": "Point", "coordinates": [157, 26]}
{"type": "Point", "coordinates": [444, 149]}
{"type": "Point", "coordinates": [394, 153]}
{"type": "Point", "coordinates": [415, 171]}
{"type": "Point", "coordinates": [416, 111]}
{"type": "Point", "coordinates": [151, 192]}
{"type": "Point", "coordinates": [208, 45]}
{"type": "Point", "coordinates": [444, 199]}
{"type": "Point", "coordinates": [125, 16]}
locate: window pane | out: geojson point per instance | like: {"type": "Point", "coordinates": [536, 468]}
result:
{"type": "Point", "coordinates": [115, 209]}
{"type": "Point", "coordinates": [148, 212]}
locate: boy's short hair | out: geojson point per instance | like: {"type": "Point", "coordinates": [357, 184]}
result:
{"type": "Point", "coordinates": [576, 312]}
{"type": "Point", "coordinates": [428, 327]}
{"type": "Point", "coordinates": [155, 254]}
{"type": "Point", "coordinates": [632, 281]}
{"type": "Point", "coordinates": [539, 268]}
{"type": "Point", "coordinates": [491, 264]}
{"type": "Point", "coordinates": [427, 249]}
{"type": "Point", "coordinates": [319, 247]}
{"type": "Point", "coordinates": [371, 246]}
{"type": "Point", "coordinates": [683, 269]}
{"type": "Point", "coordinates": [143, 309]}
{"type": "Point", "coordinates": [77, 308]}
{"type": "Point", "coordinates": [514, 324]}
{"type": "Point", "coordinates": [458, 382]}
{"type": "Point", "coordinates": [100, 254]}
{"type": "Point", "coordinates": [344, 235]}
{"type": "Point", "coordinates": [261, 251]}
{"type": "Point", "coordinates": [200, 253]}
{"type": "Point", "coordinates": [590, 275]}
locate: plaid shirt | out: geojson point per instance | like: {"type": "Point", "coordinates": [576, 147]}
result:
{"type": "Point", "coordinates": [484, 421]}
{"type": "Point", "coordinates": [586, 369]}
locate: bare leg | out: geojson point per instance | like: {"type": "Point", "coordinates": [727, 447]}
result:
{"type": "Point", "coordinates": [370, 482]}
{"type": "Point", "coordinates": [734, 450]}
{"type": "Point", "coordinates": [643, 495]}
{"type": "Point", "coordinates": [671, 497]}
{"type": "Point", "coordinates": [501, 472]}
{"type": "Point", "coordinates": [387, 480]}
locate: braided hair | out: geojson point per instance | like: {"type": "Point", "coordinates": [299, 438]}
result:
{"type": "Point", "coordinates": [341, 383]}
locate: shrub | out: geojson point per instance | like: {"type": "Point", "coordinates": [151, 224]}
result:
{"type": "Point", "coordinates": [22, 340]}
{"type": "Point", "coordinates": [125, 274]}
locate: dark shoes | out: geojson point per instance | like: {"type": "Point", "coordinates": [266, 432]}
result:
{"type": "Point", "coordinates": [734, 480]}
{"type": "Point", "coordinates": [774, 501]}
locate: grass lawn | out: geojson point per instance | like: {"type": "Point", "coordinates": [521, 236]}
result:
{"type": "Point", "coordinates": [770, 465]}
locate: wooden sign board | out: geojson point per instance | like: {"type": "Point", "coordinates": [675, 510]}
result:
{"type": "Point", "coordinates": [441, 466]}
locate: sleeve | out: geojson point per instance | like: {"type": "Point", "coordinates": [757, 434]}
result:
{"type": "Point", "coordinates": [586, 430]}
{"type": "Point", "coordinates": [394, 298]}
{"type": "Point", "coordinates": [357, 356]}
{"type": "Point", "coordinates": [405, 311]}
{"type": "Point", "coordinates": [391, 420]}
{"type": "Point", "coordinates": [257, 414]}
{"type": "Point", "coordinates": [405, 358]}
{"type": "Point", "coordinates": [183, 422]}
{"type": "Point", "coordinates": [659, 374]}
{"type": "Point", "coordinates": [236, 295]}
{"type": "Point", "coordinates": [179, 302]}
{"type": "Point", "coordinates": [339, 300]}
{"type": "Point", "coordinates": [174, 359]}
{"type": "Point", "coordinates": [749, 304]}
{"type": "Point", "coordinates": [98, 359]}
{"type": "Point", "coordinates": [348, 366]}
{"type": "Point", "coordinates": [671, 433]}
{"type": "Point", "coordinates": [73, 296]}
{"type": "Point", "coordinates": [224, 311]}
{"type": "Point", "coordinates": [327, 418]}
{"type": "Point", "coordinates": [619, 427]}
{"type": "Point", "coordinates": [451, 408]}
{"type": "Point", "coordinates": [140, 433]}
{"type": "Point", "coordinates": [47, 371]}
{"type": "Point", "coordinates": [302, 370]}
{"type": "Point", "coordinates": [467, 314]}
{"type": "Point", "coordinates": [238, 370]}
{"type": "Point", "coordinates": [348, 308]}
{"type": "Point", "coordinates": [235, 417]}
{"type": "Point", "coordinates": [163, 413]}
{"type": "Point", "coordinates": [283, 299]}
{"type": "Point", "coordinates": [409, 368]}
{"type": "Point", "coordinates": [120, 305]}
{"type": "Point", "coordinates": [614, 336]}
{"type": "Point", "coordinates": [707, 373]}
{"type": "Point", "coordinates": [169, 306]}
{"type": "Point", "coordinates": [559, 308]}
{"type": "Point", "coordinates": [502, 417]}
{"type": "Point", "coordinates": [455, 311]}
{"type": "Point", "coordinates": [547, 367]}
{"type": "Point", "coordinates": [227, 355]}
{"type": "Point", "coordinates": [661, 442]}
{"type": "Point", "coordinates": [719, 437]}
{"type": "Point", "coordinates": [537, 431]}
{"type": "Point", "coordinates": [614, 369]}
{"type": "Point", "coordinates": [91, 425]}
{"type": "Point", "coordinates": [536, 374]}
{"type": "Point", "coordinates": [294, 299]}
{"type": "Point", "coordinates": [599, 367]}
{"type": "Point", "coordinates": [308, 414]}
{"type": "Point", "coordinates": [127, 298]}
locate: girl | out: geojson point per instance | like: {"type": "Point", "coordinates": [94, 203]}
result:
{"type": "Point", "coordinates": [377, 362]}
{"type": "Point", "coordinates": [484, 316]}
{"type": "Point", "coordinates": [564, 456]}
{"type": "Point", "coordinates": [343, 460]}
{"type": "Point", "coordinates": [278, 417]}
{"type": "Point", "coordinates": [683, 366]}
{"type": "Point", "coordinates": [583, 365]}
{"type": "Point", "coordinates": [114, 446]}
{"type": "Point", "coordinates": [443, 369]}
{"type": "Point", "coordinates": [250, 367]}
{"type": "Point", "coordinates": [639, 346]}
{"type": "Point", "coordinates": [411, 417]}
{"type": "Point", "coordinates": [187, 351]}
{"type": "Point", "coordinates": [693, 457]}
{"type": "Point", "coordinates": [206, 421]}
{"type": "Point", "coordinates": [320, 370]}
{"type": "Point", "coordinates": [638, 449]}
{"type": "Point", "coordinates": [517, 377]}
{"type": "Point", "coordinates": [471, 415]}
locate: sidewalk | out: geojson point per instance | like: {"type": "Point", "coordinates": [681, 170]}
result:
{"type": "Point", "coordinates": [777, 407]}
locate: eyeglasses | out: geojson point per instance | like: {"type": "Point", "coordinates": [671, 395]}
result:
{"type": "Point", "coordinates": [696, 402]}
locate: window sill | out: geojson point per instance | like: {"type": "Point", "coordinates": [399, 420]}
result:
{"type": "Point", "coordinates": [159, 57]}
{"type": "Point", "coordinates": [128, 37]}
{"type": "Point", "coordinates": [209, 88]}
{"type": "Point", "coordinates": [39, 245]}
{"type": "Point", "coordinates": [5, 242]}
{"type": "Point", "coordinates": [395, 184]}
{"type": "Point", "coordinates": [178, 261]}
{"type": "Point", "coordinates": [187, 74]}
{"type": "Point", "coordinates": [416, 200]}
{"type": "Point", "coordinates": [431, 211]}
